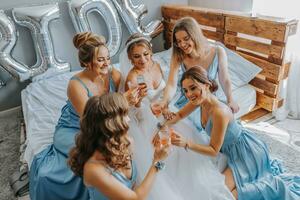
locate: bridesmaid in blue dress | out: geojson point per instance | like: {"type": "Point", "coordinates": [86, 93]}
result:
{"type": "Point", "coordinates": [103, 152]}
{"type": "Point", "coordinates": [250, 173]}
{"type": "Point", "coordinates": [50, 177]}
{"type": "Point", "coordinates": [190, 48]}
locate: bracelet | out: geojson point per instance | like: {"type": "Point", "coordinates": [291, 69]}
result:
{"type": "Point", "coordinates": [159, 165]}
{"type": "Point", "coordinates": [186, 147]}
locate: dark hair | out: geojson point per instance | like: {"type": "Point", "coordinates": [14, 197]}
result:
{"type": "Point", "coordinates": [102, 128]}
{"type": "Point", "coordinates": [199, 74]}
{"type": "Point", "coordinates": [142, 42]}
{"type": "Point", "coordinates": [88, 45]}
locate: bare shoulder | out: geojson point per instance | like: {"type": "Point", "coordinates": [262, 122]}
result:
{"type": "Point", "coordinates": [222, 113]}
{"type": "Point", "coordinates": [92, 170]}
{"type": "Point", "coordinates": [74, 87]}
{"type": "Point", "coordinates": [115, 73]}
{"type": "Point", "coordinates": [116, 76]}
{"type": "Point", "coordinates": [131, 75]}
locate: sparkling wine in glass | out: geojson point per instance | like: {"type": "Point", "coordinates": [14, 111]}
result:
{"type": "Point", "coordinates": [164, 135]}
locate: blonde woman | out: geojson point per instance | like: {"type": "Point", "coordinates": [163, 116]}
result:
{"type": "Point", "coordinates": [191, 48]}
{"type": "Point", "coordinates": [50, 177]}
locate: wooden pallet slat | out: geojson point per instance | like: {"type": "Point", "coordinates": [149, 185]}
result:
{"type": "Point", "coordinates": [273, 50]}
{"type": "Point", "coordinates": [266, 86]}
{"type": "Point", "coordinates": [267, 102]}
{"type": "Point", "coordinates": [202, 17]}
{"type": "Point", "coordinates": [260, 28]}
{"type": "Point", "coordinates": [269, 70]}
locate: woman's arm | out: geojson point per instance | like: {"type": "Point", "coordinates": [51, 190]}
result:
{"type": "Point", "coordinates": [220, 122]}
{"type": "Point", "coordinates": [98, 177]}
{"type": "Point", "coordinates": [77, 95]}
{"type": "Point", "coordinates": [225, 79]}
{"type": "Point", "coordinates": [173, 118]}
{"type": "Point", "coordinates": [171, 86]}
{"type": "Point", "coordinates": [116, 76]}
{"type": "Point", "coordinates": [141, 90]}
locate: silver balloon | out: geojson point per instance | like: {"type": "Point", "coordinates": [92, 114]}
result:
{"type": "Point", "coordinates": [79, 10]}
{"type": "Point", "coordinates": [37, 19]}
{"type": "Point", "coordinates": [133, 15]}
{"type": "Point", "coordinates": [8, 38]}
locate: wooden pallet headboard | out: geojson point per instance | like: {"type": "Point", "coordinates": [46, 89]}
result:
{"type": "Point", "coordinates": [261, 40]}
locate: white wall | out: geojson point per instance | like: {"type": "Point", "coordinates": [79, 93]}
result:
{"type": "Point", "coordinates": [232, 5]}
{"type": "Point", "coordinates": [62, 32]}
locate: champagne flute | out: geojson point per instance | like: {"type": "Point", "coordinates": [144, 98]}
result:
{"type": "Point", "coordinates": [164, 135]}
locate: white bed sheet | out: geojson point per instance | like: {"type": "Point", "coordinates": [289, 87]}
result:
{"type": "Point", "coordinates": [42, 101]}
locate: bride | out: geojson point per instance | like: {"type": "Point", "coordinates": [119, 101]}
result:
{"type": "Point", "coordinates": [187, 175]}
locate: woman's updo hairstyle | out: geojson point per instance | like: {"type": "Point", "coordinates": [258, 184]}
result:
{"type": "Point", "coordinates": [137, 39]}
{"type": "Point", "coordinates": [199, 74]}
{"type": "Point", "coordinates": [88, 45]}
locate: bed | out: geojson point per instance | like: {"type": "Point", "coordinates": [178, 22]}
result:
{"type": "Point", "coordinates": [43, 99]}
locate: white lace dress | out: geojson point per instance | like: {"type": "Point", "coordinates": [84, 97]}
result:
{"type": "Point", "coordinates": [187, 175]}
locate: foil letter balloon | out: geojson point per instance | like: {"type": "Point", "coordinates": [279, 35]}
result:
{"type": "Point", "coordinates": [79, 10]}
{"type": "Point", "coordinates": [133, 15]}
{"type": "Point", "coordinates": [8, 38]}
{"type": "Point", "coordinates": [37, 19]}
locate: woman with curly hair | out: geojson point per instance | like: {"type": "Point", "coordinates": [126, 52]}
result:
{"type": "Point", "coordinates": [102, 154]}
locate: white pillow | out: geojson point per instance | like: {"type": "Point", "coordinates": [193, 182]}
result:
{"type": "Point", "coordinates": [241, 71]}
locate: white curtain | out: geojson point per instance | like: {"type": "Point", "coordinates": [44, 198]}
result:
{"type": "Point", "coordinates": [290, 88]}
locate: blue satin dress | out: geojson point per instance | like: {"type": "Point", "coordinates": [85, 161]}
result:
{"type": "Point", "coordinates": [50, 176]}
{"type": "Point", "coordinates": [255, 175]}
{"type": "Point", "coordinates": [95, 194]}
{"type": "Point", "coordinates": [182, 100]}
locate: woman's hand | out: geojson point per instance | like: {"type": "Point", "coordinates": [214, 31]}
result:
{"type": "Point", "coordinates": [161, 152]}
{"type": "Point", "coordinates": [143, 90]}
{"type": "Point", "coordinates": [132, 96]}
{"type": "Point", "coordinates": [156, 140]}
{"type": "Point", "coordinates": [168, 115]}
{"type": "Point", "coordinates": [233, 106]}
{"type": "Point", "coordinates": [177, 139]}
{"type": "Point", "coordinates": [158, 107]}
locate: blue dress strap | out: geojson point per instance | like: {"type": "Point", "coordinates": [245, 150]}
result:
{"type": "Point", "coordinates": [112, 86]}
{"type": "Point", "coordinates": [213, 68]}
{"type": "Point", "coordinates": [83, 85]}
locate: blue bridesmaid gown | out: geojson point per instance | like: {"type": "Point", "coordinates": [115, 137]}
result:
{"type": "Point", "coordinates": [182, 100]}
{"type": "Point", "coordinates": [255, 175]}
{"type": "Point", "coordinates": [95, 194]}
{"type": "Point", "coordinates": [50, 176]}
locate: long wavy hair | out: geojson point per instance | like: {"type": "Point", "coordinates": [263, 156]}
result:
{"type": "Point", "coordinates": [88, 45]}
{"type": "Point", "coordinates": [103, 128]}
{"type": "Point", "coordinates": [199, 74]}
{"type": "Point", "coordinates": [191, 27]}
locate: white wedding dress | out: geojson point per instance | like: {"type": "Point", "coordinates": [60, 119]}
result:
{"type": "Point", "coordinates": [188, 175]}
